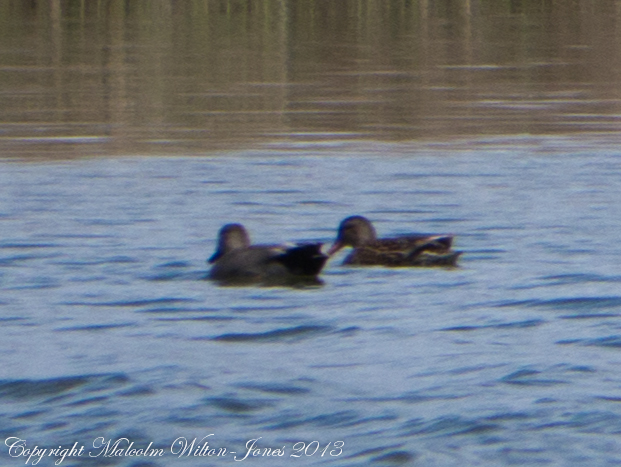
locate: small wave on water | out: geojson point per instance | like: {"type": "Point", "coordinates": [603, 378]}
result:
{"type": "Point", "coordinates": [573, 303]}
{"type": "Point", "coordinates": [275, 335]}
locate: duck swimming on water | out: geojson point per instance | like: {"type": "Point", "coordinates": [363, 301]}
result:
{"type": "Point", "coordinates": [236, 260]}
{"type": "Point", "coordinates": [411, 250]}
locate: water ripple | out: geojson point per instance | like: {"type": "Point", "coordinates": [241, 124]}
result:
{"type": "Point", "coordinates": [176, 309]}
{"type": "Point", "coordinates": [512, 325]}
{"type": "Point", "coordinates": [27, 246]}
{"type": "Point", "coordinates": [574, 303]}
{"type": "Point", "coordinates": [274, 388]}
{"type": "Point", "coordinates": [133, 303]}
{"type": "Point", "coordinates": [28, 389]}
{"type": "Point", "coordinates": [289, 419]}
{"type": "Point", "coordinates": [527, 377]}
{"type": "Point", "coordinates": [96, 327]}
{"type": "Point", "coordinates": [394, 458]}
{"type": "Point", "coordinates": [237, 405]}
{"type": "Point", "coordinates": [276, 335]}
{"type": "Point", "coordinates": [448, 426]}
{"type": "Point", "coordinates": [565, 279]}
{"type": "Point", "coordinates": [606, 342]}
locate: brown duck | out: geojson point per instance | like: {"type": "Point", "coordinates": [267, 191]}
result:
{"type": "Point", "coordinates": [412, 250]}
{"type": "Point", "coordinates": [237, 261]}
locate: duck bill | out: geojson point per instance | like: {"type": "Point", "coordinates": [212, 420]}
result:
{"type": "Point", "coordinates": [215, 257]}
{"type": "Point", "coordinates": [336, 247]}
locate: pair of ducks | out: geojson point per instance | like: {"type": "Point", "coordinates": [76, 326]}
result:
{"type": "Point", "coordinates": [237, 261]}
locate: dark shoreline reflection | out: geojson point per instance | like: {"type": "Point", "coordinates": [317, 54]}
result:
{"type": "Point", "coordinates": [115, 77]}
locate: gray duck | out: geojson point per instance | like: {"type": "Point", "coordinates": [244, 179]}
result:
{"type": "Point", "coordinates": [412, 250]}
{"type": "Point", "coordinates": [236, 261]}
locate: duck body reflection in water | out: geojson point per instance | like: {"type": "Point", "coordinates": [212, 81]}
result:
{"type": "Point", "coordinates": [237, 262]}
{"type": "Point", "coordinates": [412, 250]}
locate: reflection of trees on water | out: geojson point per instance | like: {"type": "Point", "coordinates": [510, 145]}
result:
{"type": "Point", "coordinates": [166, 75]}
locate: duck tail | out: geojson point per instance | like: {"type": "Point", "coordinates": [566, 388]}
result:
{"type": "Point", "coordinates": [436, 244]}
{"type": "Point", "coordinates": [448, 259]}
{"type": "Point", "coordinates": [303, 260]}
{"type": "Point", "coordinates": [439, 243]}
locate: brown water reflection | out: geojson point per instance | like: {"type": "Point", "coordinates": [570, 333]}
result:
{"type": "Point", "coordinates": [82, 77]}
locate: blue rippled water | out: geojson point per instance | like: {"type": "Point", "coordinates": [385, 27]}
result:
{"type": "Point", "coordinates": [108, 328]}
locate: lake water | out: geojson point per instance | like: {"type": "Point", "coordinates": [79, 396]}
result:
{"type": "Point", "coordinates": [110, 330]}
{"type": "Point", "coordinates": [131, 132]}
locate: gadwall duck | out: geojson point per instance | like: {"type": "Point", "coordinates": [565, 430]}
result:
{"type": "Point", "coordinates": [237, 261]}
{"type": "Point", "coordinates": [413, 250]}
